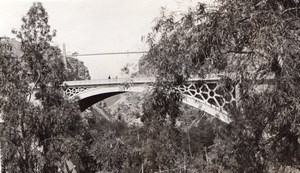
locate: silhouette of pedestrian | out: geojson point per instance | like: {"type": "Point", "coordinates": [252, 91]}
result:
{"type": "Point", "coordinates": [109, 77]}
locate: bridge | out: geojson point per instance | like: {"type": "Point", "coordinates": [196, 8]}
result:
{"type": "Point", "coordinates": [201, 93]}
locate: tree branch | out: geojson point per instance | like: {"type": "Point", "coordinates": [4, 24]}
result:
{"type": "Point", "coordinates": [289, 9]}
{"type": "Point", "coordinates": [239, 52]}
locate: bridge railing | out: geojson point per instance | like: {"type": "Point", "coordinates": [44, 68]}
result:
{"type": "Point", "coordinates": [110, 81]}
{"type": "Point", "coordinates": [213, 77]}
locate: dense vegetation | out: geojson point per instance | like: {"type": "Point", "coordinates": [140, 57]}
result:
{"type": "Point", "coordinates": [248, 41]}
{"type": "Point", "coordinates": [36, 134]}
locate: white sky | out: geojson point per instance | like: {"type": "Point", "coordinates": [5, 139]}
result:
{"type": "Point", "coordinates": [95, 26]}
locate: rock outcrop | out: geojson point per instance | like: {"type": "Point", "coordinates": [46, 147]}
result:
{"type": "Point", "coordinates": [145, 67]}
{"type": "Point", "coordinates": [77, 70]}
{"type": "Point", "coordinates": [128, 108]}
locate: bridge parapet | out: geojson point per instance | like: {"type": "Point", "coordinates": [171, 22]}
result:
{"type": "Point", "coordinates": [119, 81]}
{"type": "Point", "coordinates": [212, 77]}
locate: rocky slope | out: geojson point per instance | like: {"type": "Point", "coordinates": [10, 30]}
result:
{"type": "Point", "coordinates": [77, 70]}
{"type": "Point", "coordinates": [128, 108]}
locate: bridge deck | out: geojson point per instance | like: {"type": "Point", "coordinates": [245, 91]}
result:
{"type": "Point", "coordinates": [130, 80]}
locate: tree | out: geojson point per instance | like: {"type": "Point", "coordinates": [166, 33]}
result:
{"type": "Point", "coordinates": [41, 128]}
{"type": "Point", "coordinates": [255, 45]}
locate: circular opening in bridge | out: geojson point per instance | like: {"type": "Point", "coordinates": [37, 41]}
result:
{"type": "Point", "coordinates": [211, 93]}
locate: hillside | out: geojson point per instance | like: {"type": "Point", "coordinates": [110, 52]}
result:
{"type": "Point", "coordinates": [128, 108]}
{"type": "Point", "coordinates": [77, 70]}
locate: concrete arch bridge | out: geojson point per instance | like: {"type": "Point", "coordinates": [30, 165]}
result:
{"type": "Point", "coordinates": [204, 94]}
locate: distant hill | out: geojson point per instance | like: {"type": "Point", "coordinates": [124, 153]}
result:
{"type": "Point", "coordinates": [16, 46]}
{"type": "Point", "coordinates": [77, 70]}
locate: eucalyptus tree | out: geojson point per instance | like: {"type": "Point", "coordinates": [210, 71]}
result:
{"type": "Point", "coordinates": [254, 44]}
{"type": "Point", "coordinates": [41, 129]}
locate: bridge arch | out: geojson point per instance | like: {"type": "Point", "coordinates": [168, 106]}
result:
{"type": "Point", "coordinates": [90, 96]}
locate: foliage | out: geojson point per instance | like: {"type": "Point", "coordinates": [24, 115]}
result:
{"type": "Point", "coordinates": [41, 129]}
{"type": "Point", "coordinates": [116, 147]}
{"type": "Point", "coordinates": [109, 147]}
{"type": "Point", "coordinates": [254, 43]}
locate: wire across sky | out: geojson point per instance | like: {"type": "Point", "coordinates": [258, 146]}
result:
{"type": "Point", "coordinates": [110, 53]}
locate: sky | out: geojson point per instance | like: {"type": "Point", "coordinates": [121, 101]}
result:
{"type": "Point", "coordinates": [96, 26]}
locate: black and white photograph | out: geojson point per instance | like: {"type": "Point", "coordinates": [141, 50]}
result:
{"type": "Point", "coordinates": [149, 86]}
